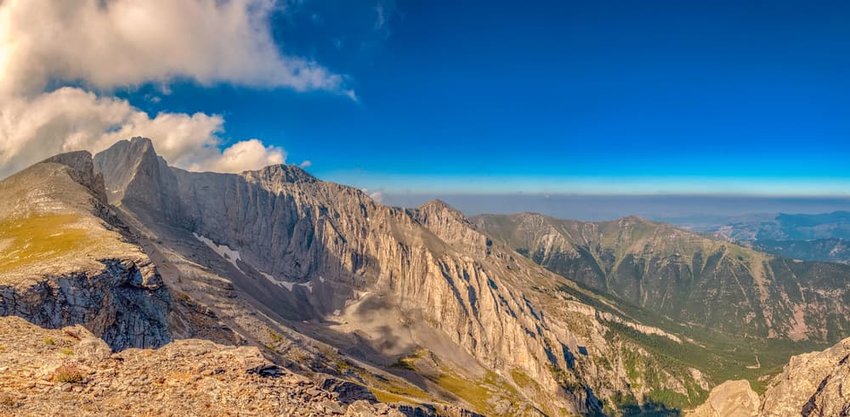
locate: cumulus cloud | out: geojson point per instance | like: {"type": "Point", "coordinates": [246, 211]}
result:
{"type": "Point", "coordinates": [69, 119]}
{"type": "Point", "coordinates": [104, 44]}
{"type": "Point", "coordinates": [306, 164]}
{"type": "Point", "coordinates": [111, 43]}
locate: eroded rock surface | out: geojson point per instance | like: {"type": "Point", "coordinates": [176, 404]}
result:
{"type": "Point", "coordinates": [71, 372]}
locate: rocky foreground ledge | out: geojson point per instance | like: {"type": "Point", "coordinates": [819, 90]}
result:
{"type": "Point", "coordinates": [69, 371]}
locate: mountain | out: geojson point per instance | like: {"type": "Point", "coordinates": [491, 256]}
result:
{"type": "Point", "coordinates": [811, 385]}
{"type": "Point", "coordinates": [66, 258]}
{"type": "Point", "coordinates": [705, 283]}
{"type": "Point", "coordinates": [828, 250]}
{"type": "Point", "coordinates": [345, 306]}
{"type": "Point", "coordinates": [835, 225]}
{"type": "Point", "coordinates": [418, 295]}
{"type": "Point", "coordinates": [812, 237]}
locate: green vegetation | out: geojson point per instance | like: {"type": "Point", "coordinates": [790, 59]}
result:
{"type": "Point", "coordinates": [477, 393]}
{"type": "Point", "coordinates": [49, 341]}
{"type": "Point", "coordinates": [66, 351]}
{"type": "Point", "coordinates": [521, 379]}
{"type": "Point", "coordinates": [36, 239]}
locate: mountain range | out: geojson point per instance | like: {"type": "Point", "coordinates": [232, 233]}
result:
{"type": "Point", "coordinates": [279, 282]}
{"type": "Point", "coordinates": [814, 237]}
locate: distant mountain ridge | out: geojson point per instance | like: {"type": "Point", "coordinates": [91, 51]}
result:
{"type": "Point", "coordinates": [687, 277]}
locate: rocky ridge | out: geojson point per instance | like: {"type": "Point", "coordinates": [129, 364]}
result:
{"type": "Point", "coordinates": [68, 261]}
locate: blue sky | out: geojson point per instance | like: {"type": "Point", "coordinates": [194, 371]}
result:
{"type": "Point", "coordinates": [749, 97]}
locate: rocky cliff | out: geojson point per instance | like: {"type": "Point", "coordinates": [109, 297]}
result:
{"type": "Point", "coordinates": [388, 286]}
{"type": "Point", "coordinates": [66, 260]}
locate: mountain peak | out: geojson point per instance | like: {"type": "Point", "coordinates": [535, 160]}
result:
{"type": "Point", "coordinates": [78, 160]}
{"type": "Point", "coordinates": [81, 169]}
{"type": "Point", "coordinates": [436, 204]}
{"type": "Point", "coordinates": [281, 173]}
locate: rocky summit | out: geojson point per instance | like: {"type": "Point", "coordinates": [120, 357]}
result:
{"type": "Point", "coordinates": [133, 287]}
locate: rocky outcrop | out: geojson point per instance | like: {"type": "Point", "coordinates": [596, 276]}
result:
{"type": "Point", "coordinates": [124, 303]}
{"type": "Point", "coordinates": [811, 385]}
{"type": "Point", "coordinates": [66, 259]}
{"type": "Point", "coordinates": [729, 399]}
{"type": "Point", "coordinates": [72, 372]}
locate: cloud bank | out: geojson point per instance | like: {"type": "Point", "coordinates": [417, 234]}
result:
{"type": "Point", "coordinates": [106, 44]}
{"type": "Point", "coordinates": [100, 45]}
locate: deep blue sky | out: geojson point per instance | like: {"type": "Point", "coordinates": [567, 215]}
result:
{"type": "Point", "coordinates": [594, 96]}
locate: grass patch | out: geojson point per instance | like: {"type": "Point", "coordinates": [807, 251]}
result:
{"type": "Point", "coordinates": [522, 379]}
{"type": "Point", "coordinates": [472, 392]}
{"type": "Point", "coordinates": [379, 383]}
{"type": "Point", "coordinates": [49, 341]}
{"type": "Point", "coordinates": [389, 397]}
{"type": "Point", "coordinates": [40, 238]}
{"type": "Point", "coordinates": [66, 351]}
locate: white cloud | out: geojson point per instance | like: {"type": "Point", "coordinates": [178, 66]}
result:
{"type": "Point", "coordinates": [306, 164]}
{"type": "Point", "coordinates": [105, 44]}
{"type": "Point", "coordinates": [377, 196]}
{"type": "Point", "coordinates": [68, 119]}
{"type": "Point", "coordinates": [111, 43]}
{"type": "Point", "coordinates": [247, 155]}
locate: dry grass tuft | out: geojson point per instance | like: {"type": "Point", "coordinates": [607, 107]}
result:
{"type": "Point", "coordinates": [71, 374]}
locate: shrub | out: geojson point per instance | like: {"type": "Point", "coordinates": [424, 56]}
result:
{"type": "Point", "coordinates": [68, 373]}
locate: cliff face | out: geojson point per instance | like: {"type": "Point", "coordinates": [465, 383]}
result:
{"type": "Point", "coordinates": [65, 261]}
{"type": "Point", "coordinates": [385, 283]}
{"type": "Point", "coordinates": [687, 277]}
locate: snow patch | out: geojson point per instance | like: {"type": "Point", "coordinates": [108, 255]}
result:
{"type": "Point", "coordinates": [289, 285]}
{"type": "Point", "coordinates": [230, 255]}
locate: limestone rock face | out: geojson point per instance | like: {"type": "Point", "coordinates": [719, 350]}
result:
{"type": "Point", "coordinates": [120, 303]}
{"type": "Point", "coordinates": [382, 282]}
{"type": "Point", "coordinates": [812, 384]}
{"type": "Point", "coordinates": [729, 399]}
{"type": "Point", "coordinates": [66, 261]}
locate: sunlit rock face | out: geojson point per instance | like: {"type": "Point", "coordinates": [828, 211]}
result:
{"type": "Point", "coordinates": [328, 257]}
